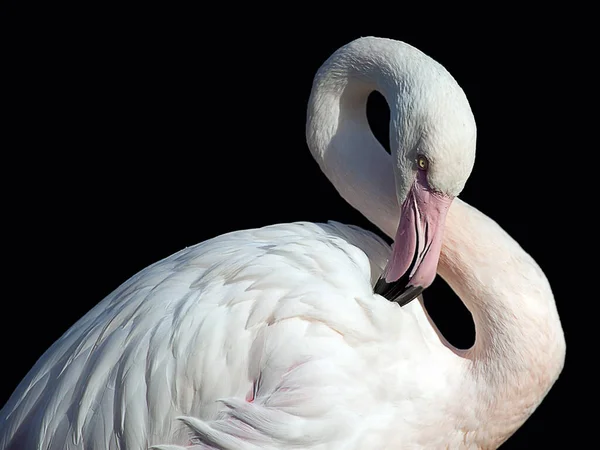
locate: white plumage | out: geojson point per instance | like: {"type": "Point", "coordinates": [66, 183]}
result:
{"type": "Point", "coordinates": [273, 338]}
{"type": "Point", "coordinates": [212, 325]}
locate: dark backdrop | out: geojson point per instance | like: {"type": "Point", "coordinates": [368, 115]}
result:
{"type": "Point", "coordinates": [137, 131]}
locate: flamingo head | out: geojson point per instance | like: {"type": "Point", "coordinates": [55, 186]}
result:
{"type": "Point", "coordinates": [432, 136]}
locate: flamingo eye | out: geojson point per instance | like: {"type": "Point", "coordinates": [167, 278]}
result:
{"type": "Point", "coordinates": [422, 162]}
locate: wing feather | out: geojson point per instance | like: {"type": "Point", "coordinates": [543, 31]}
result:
{"type": "Point", "coordinates": [192, 335]}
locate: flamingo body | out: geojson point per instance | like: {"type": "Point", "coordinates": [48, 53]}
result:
{"type": "Point", "coordinates": [211, 335]}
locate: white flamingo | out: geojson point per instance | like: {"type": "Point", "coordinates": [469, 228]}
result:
{"type": "Point", "coordinates": [274, 338]}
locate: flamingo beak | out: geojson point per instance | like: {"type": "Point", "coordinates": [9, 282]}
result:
{"type": "Point", "coordinates": [417, 246]}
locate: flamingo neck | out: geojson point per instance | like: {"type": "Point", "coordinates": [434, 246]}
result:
{"type": "Point", "coordinates": [338, 133]}
{"type": "Point", "coordinates": [519, 348]}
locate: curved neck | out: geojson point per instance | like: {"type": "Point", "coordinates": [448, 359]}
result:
{"type": "Point", "coordinates": [519, 347]}
{"type": "Point", "coordinates": [339, 136]}
{"type": "Point", "coordinates": [500, 283]}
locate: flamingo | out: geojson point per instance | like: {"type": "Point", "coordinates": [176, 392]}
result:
{"type": "Point", "coordinates": [306, 335]}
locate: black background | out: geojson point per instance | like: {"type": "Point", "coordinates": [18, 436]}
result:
{"type": "Point", "coordinates": [135, 131]}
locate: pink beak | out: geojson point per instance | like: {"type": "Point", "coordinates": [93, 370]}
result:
{"type": "Point", "coordinates": [417, 246]}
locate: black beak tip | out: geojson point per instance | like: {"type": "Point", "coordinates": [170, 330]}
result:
{"type": "Point", "coordinates": [397, 291]}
